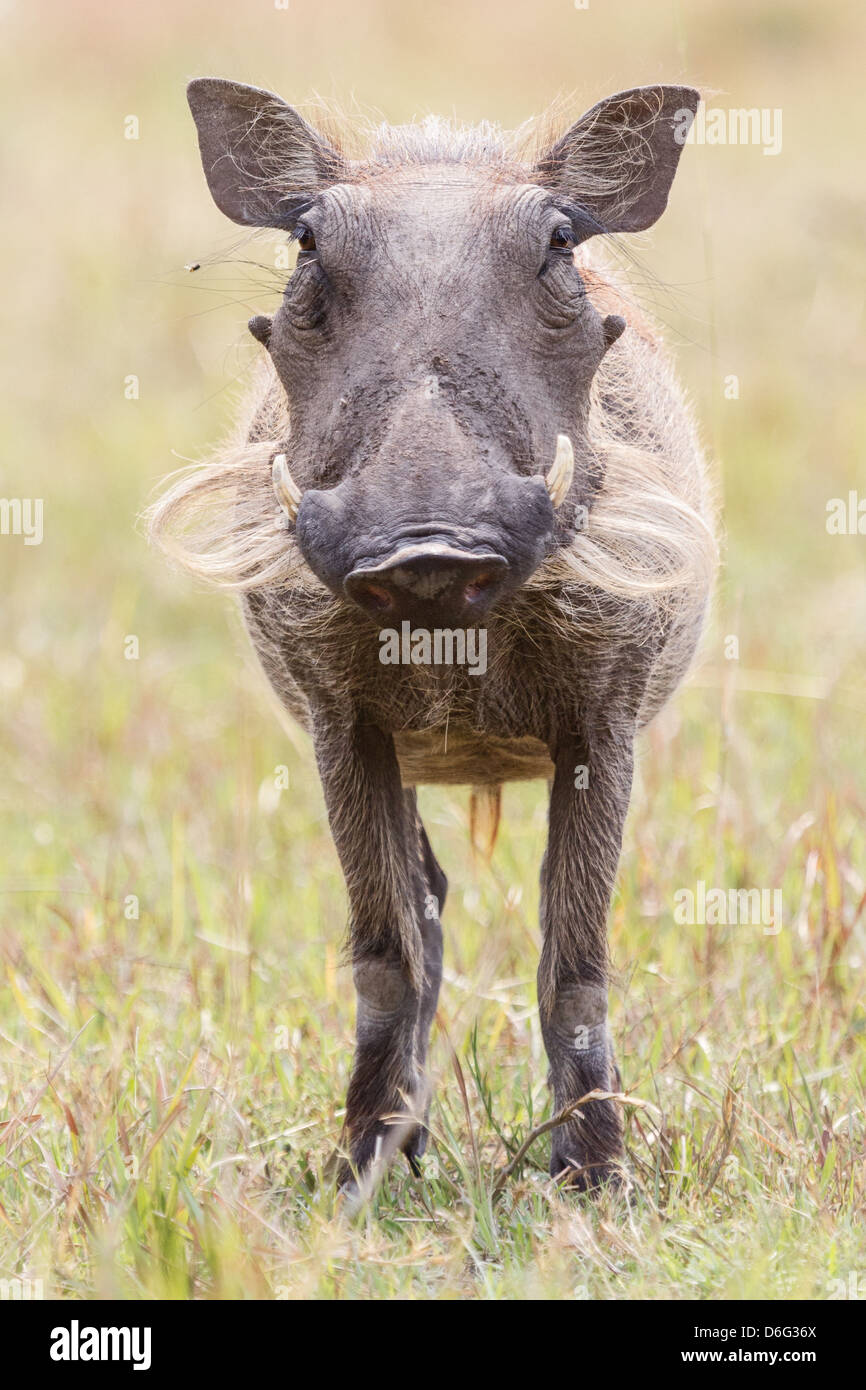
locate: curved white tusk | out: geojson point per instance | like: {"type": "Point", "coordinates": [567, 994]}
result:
{"type": "Point", "coordinates": [286, 490]}
{"type": "Point", "coordinates": [561, 475]}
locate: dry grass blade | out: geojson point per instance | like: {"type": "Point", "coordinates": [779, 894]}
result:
{"type": "Point", "coordinates": [567, 1112]}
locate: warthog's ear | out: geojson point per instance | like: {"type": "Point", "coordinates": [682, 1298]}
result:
{"type": "Point", "coordinates": [263, 163]}
{"type": "Point", "coordinates": [618, 161]}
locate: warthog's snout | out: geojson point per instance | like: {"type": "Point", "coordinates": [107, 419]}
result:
{"type": "Point", "coordinates": [431, 584]}
{"type": "Point", "coordinates": [438, 547]}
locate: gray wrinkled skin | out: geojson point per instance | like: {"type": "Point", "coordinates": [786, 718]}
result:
{"type": "Point", "coordinates": [436, 337]}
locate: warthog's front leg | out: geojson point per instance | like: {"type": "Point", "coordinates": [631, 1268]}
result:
{"type": "Point", "coordinates": [435, 891]}
{"type": "Point", "coordinates": [588, 804]}
{"type": "Point", "coordinates": [395, 936]}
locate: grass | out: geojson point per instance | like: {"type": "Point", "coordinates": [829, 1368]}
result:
{"type": "Point", "coordinates": [175, 1018]}
{"type": "Point", "coordinates": [174, 1081]}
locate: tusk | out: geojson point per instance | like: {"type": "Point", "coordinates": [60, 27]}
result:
{"type": "Point", "coordinates": [559, 479]}
{"type": "Point", "coordinates": [286, 490]}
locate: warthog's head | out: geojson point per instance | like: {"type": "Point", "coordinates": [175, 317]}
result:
{"type": "Point", "coordinates": [435, 341]}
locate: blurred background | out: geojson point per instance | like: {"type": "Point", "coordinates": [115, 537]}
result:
{"type": "Point", "coordinates": [156, 887]}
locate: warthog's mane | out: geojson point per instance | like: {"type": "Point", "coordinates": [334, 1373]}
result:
{"type": "Point", "coordinates": [647, 553]}
{"type": "Point", "coordinates": [436, 140]}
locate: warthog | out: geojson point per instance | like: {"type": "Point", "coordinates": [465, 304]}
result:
{"type": "Point", "coordinates": [461, 425]}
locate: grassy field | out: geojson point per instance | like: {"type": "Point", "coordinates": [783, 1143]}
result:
{"type": "Point", "coordinates": [175, 1018]}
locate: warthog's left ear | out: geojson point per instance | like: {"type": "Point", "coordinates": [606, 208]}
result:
{"type": "Point", "coordinates": [263, 163]}
{"type": "Point", "coordinates": [618, 161]}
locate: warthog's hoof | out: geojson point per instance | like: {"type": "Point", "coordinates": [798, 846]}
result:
{"type": "Point", "coordinates": [589, 1157]}
{"type": "Point", "coordinates": [373, 1154]}
{"type": "Point", "coordinates": [591, 1178]}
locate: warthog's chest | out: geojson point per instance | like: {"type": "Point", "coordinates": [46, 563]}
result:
{"type": "Point", "coordinates": [455, 754]}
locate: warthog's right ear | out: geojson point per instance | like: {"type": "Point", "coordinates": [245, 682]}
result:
{"type": "Point", "coordinates": [263, 163]}
{"type": "Point", "coordinates": [618, 161]}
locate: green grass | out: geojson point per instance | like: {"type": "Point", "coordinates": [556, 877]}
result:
{"type": "Point", "coordinates": [171, 1082]}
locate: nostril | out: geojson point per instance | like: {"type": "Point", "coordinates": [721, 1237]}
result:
{"type": "Point", "coordinates": [373, 596]}
{"type": "Point", "coordinates": [479, 585]}
{"type": "Point", "coordinates": [427, 581]}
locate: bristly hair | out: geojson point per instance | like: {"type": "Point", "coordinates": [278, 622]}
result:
{"type": "Point", "coordinates": [436, 140]}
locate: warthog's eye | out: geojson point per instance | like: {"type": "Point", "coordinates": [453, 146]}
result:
{"type": "Point", "coordinates": [304, 237]}
{"type": "Point", "coordinates": [563, 239]}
